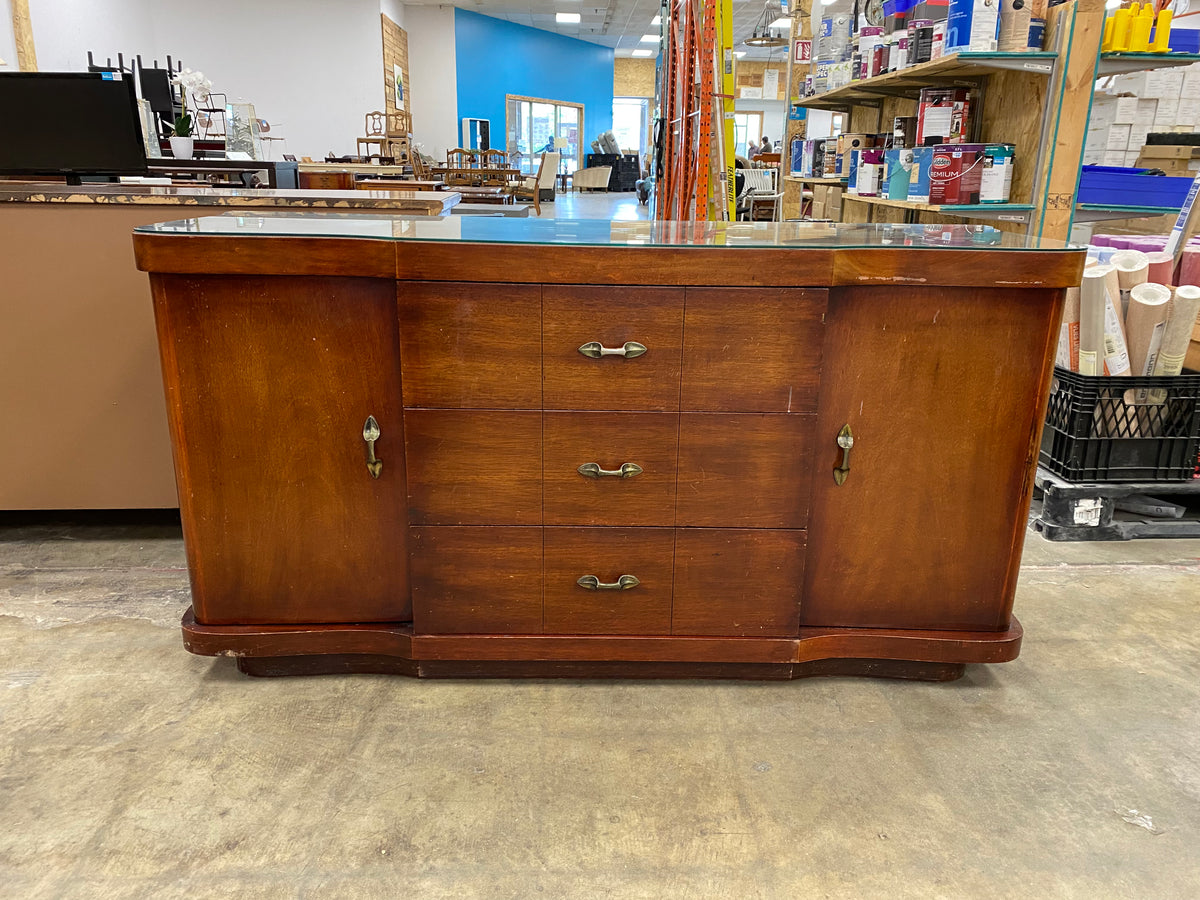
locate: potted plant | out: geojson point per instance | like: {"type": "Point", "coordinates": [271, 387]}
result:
{"type": "Point", "coordinates": [181, 131]}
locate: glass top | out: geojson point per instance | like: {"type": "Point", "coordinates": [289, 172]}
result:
{"type": "Point", "coordinates": [605, 233]}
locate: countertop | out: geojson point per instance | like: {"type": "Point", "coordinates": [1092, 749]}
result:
{"type": "Point", "coordinates": [426, 202]}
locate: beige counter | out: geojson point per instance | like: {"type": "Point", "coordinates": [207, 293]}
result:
{"type": "Point", "coordinates": [81, 397]}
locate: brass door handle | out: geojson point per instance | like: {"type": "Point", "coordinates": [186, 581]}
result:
{"type": "Point", "coordinates": [371, 435]}
{"type": "Point", "coordinates": [592, 583]}
{"type": "Point", "coordinates": [629, 350]}
{"type": "Point", "coordinates": [593, 470]}
{"type": "Point", "coordinates": [845, 440]}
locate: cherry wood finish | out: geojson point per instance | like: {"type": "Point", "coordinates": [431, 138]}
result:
{"type": "Point", "coordinates": [471, 345]}
{"type": "Point", "coordinates": [928, 527]}
{"type": "Point", "coordinates": [750, 470]}
{"type": "Point", "coordinates": [282, 520]}
{"type": "Point", "coordinates": [608, 553]}
{"type": "Point", "coordinates": [752, 562]}
{"type": "Point", "coordinates": [573, 316]}
{"type": "Point", "coordinates": [752, 350]}
{"type": "Point", "coordinates": [474, 467]}
{"type": "Point", "coordinates": [477, 580]}
{"type": "Point", "coordinates": [610, 439]}
{"type": "Point", "coordinates": [738, 582]}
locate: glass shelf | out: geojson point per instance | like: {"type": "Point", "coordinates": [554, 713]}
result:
{"type": "Point", "coordinates": [1120, 63]}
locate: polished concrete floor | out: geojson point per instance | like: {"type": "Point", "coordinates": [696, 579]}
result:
{"type": "Point", "coordinates": [129, 768]}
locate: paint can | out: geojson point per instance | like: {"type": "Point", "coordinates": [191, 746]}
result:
{"type": "Point", "coordinates": [870, 173]}
{"type": "Point", "coordinates": [939, 40]}
{"type": "Point", "coordinates": [995, 181]}
{"type": "Point", "coordinates": [954, 174]}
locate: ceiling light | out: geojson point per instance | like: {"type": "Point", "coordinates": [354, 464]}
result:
{"type": "Point", "coordinates": [739, 53]}
{"type": "Point", "coordinates": [657, 20]}
{"type": "Point", "coordinates": [762, 35]}
{"type": "Point", "coordinates": [642, 53]}
{"type": "Point", "coordinates": [782, 22]}
{"type": "Point", "coordinates": [566, 18]}
{"type": "Point", "coordinates": [650, 39]}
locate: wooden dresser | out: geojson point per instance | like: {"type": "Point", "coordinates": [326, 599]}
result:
{"type": "Point", "coordinates": [523, 447]}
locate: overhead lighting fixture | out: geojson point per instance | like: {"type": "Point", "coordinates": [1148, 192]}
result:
{"type": "Point", "coordinates": [650, 39]}
{"type": "Point", "coordinates": [657, 20]}
{"type": "Point", "coordinates": [782, 22]}
{"type": "Point", "coordinates": [739, 53]}
{"type": "Point", "coordinates": [642, 53]}
{"type": "Point", "coordinates": [566, 18]}
{"type": "Point", "coordinates": [763, 36]}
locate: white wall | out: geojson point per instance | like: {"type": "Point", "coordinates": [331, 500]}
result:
{"type": "Point", "coordinates": [432, 71]}
{"type": "Point", "coordinates": [8, 46]}
{"type": "Point", "coordinates": [312, 68]}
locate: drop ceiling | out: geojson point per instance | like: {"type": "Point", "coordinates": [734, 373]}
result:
{"type": "Point", "coordinates": [619, 24]}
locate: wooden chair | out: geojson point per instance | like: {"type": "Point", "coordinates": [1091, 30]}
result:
{"type": "Point", "coordinates": [458, 158]}
{"type": "Point", "coordinates": [375, 128]}
{"type": "Point", "coordinates": [530, 187]}
{"type": "Point", "coordinates": [495, 159]}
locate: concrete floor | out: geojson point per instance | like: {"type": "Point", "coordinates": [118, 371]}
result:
{"type": "Point", "coordinates": [129, 768]}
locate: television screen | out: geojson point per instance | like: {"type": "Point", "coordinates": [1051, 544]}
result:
{"type": "Point", "coordinates": [70, 123]}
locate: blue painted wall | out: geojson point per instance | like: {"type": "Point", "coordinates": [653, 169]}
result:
{"type": "Point", "coordinates": [495, 58]}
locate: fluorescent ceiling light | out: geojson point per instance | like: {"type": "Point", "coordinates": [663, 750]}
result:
{"type": "Point", "coordinates": [739, 53]}
{"type": "Point", "coordinates": [566, 18]}
{"type": "Point", "coordinates": [642, 53]}
{"type": "Point", "coordinates": [650, 39]}
{"type": "Point", "coordinates": [657, 20]}
{"type": "Point", "coordinates": [781, 22]}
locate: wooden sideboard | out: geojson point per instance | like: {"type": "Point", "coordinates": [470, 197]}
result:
{"type": "Point", "coordinates": [519, 447]}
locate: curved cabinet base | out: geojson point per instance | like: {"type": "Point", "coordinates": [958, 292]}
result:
{"type": "Point", "coordinates": [394, 649]}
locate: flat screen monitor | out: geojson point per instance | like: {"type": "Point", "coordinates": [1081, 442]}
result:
{"type": "Point", "coordinates": [70, 123]}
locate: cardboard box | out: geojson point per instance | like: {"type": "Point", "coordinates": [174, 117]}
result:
{"type": "Point", "coordinates": [1189, 112]}
{"type": "Point", "coordinates": [1114, 158]}
{"type": "Point", "coordinates": [1170, 151]}
{"type": "Point", "coordinates": [1171, 83]}
{"type": "Point", "coordinates": [1093, 156]}
{"type": "Point", "coordinates": [1125, 111]}
{"type": "Point", "coordinates": [1145, 113]}
{"type": "Point", "coordinates": [1118, 137]}
{"type": "Point", "coordinates": [1104, 111]}
{"type": "Point", "coordinates": [1131, 157]}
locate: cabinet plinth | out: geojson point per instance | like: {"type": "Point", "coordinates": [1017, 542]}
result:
{"type": "Point", "coordinates": [472, 473]}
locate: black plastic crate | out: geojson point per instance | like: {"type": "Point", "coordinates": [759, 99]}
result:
{"type": "Point", "coordinates": [1101, 428]}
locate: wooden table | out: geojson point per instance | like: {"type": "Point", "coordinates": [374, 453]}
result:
{"type": "Point", "coordinates": [608, 449]}
{"type": "Point", "coordinates": [399, 184]}
{"type": "Point", "coordinates": [356, 168]}
{"type": "Point", "coordinates": [476, 177]}
{"type": "Point", "coordinates": [495, 194]}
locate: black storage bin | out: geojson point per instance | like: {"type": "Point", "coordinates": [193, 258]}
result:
{"type": "Point", "coordinates": [1101, 428]}
{"type": "Point", "coordinates": [626, 170]}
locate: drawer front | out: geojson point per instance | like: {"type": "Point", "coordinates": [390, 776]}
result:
{"type": "Point", "coordinates": [738, 582]}
{"type": "Point", "coordinates": [607, 554]}
{"type": "Point", "coordinates": [471, 345]}
{"type": "Point", "coordinates": [476, 580]}
{"type": "Point", "coordinates": [752, 349]}
{"type": "Point", "coordinates": [611, 317]}
{"type": "Point", "coordinates": [609, 440]}
{"type": "Point", "coordinates": [745, 470]}
{"type": "Point", "coordinates": [474, 467]}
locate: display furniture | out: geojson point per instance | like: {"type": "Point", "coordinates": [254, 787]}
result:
{"type": "Point", "coordinates": [489, 446]}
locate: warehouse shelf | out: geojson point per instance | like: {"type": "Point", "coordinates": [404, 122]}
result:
{"type": "Point", "coordinates": [949, 69]}
{"type": "Point", "coordinates": [1001, 212]}
{"type": "Point", "coordinates": [1122, 63]}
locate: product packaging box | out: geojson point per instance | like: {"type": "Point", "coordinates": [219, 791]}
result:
{"type": "Point", "coordinates": [1145, 113]}
{"type": "Point", "coordinates": [1113, 158]}
{"type": "Point", "coordinates": [943, 113]}
{"type": "Point", "coordinates": [1126, 110]}
{"type": "Point", "coordinates": [1018, 33]}
{"type": "Point", "coordinates": [1188, 112]}
{"type": "Point", "coordinates": [904, 131]}
{"type": "Point", "coordinates": [973, 25]}
{"type": "Point", "coordinates": [918, 179]}
{"type": "Point", "coordinates": [897, 167]}
{"type": "Point", "coordinates": [1131, 157]}
{"type": "Point", "coordinates": [1167, 114]}
{"type": "Point", "coordinates": [852, 171]}
{"type": "Point", "coordinates": [1104, 111]}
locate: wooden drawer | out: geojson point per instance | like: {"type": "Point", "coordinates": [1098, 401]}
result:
{"type": "Point", "coordinates": [609, 439]}
{"type": "Point", "coordinates": [608, 553]}
{"type": "Point", "coordinates": [474, 467]}
{"type": "Point", "coordinates": [476, 580]}
{"type": "Point", "coordinates": [611, 316]}
{"type": "Point", "coordinates": [471, 345]}
{"type": "Point", "coordinates": [752, 349]}
{"type": "Point", "coordinates": [750, 470]}
{"type": "Point", "coordinates": [738, 582]}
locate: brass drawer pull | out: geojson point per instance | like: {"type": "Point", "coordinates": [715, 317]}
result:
{"type": "Point", "coordinates": [629, 350]}
{"type": "Point", "coordinates": [592, 583]}
{"type": "Point", "coordinates": [371, 435]}
{"type": "Point", "coordinates": [845, 440]}
{"type": "Point", "coordinates": [593, 470]}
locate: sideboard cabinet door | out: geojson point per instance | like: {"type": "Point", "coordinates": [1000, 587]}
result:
{"type": "Point", "coordinates": [942, 391]}
{"type": "Point", "coordinates": [270, 382]}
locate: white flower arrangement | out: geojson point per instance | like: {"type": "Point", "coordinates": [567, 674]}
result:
{"type": "Point", "coordinates": [198, 86]}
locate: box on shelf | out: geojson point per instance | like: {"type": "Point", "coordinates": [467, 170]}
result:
{"type": "Point", "coordinates": [1125, 110]}
{"type": "Point", "coordinates": [1113, 158]}
{"type": "Point", "coordinates": [1118, 137]}
{"type": "Point", "coordinates": [1171, 158]}
{"type": "Point", "coordinates": [1131, 157]}
{"type": "Point", "coordinates": [972, 25]}
{"type": "Point", "coordinates": [1144, 115]}
{"type": "Point", "coordinates": [827, 200]}
{"type": "Point", "coordinates": [943, 113]}
{"type": "Point", "coordinates": [918, 179]}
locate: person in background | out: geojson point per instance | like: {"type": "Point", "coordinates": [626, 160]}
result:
{"type": "Point", "coordinates": [766, 145]}
{"type": "Point", "coordinates": [752, 150]}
